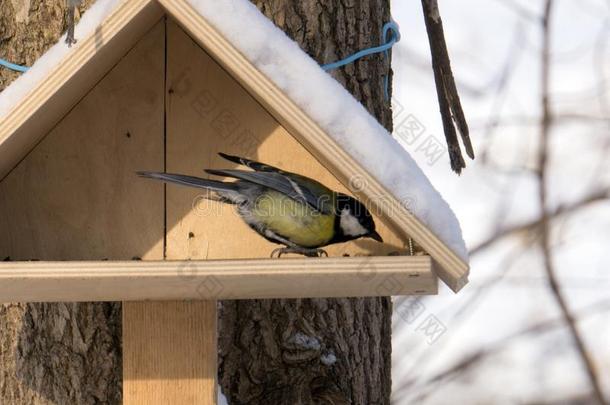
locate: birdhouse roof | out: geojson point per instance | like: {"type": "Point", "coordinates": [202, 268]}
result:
{"type": "Point", "coordinates": [307, 101]}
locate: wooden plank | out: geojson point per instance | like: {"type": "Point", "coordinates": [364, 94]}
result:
{"type": "Point", "coordinates": [76, 195]}
{"type": "Point", "coordinates": [452, 270]}
{"type": "Point", "coordinates": [23, 127]}
{"type": "Point", "coordinates": [193, 380]}
{"type": "Point", "coordinates": [186, 374]}
{"type": "Point", "coordinates": [209, 112]}
{"type": "Point", "coordinates": [216, 279]}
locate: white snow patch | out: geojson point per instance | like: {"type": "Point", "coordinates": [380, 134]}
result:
{"type": "Point", "coordinates": [310, 87]}
{"type": "Point", "coordinates": [328, 359]}
{"type": "Point", "coordinates": [305, 342]}
{"type": "Point", "coordinates": [221, 398]}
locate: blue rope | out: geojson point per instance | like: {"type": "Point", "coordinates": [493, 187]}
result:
{"type": "Point", "coordinates": [12, 66]}
{"type": "Point", "coordinates": [389, 28]}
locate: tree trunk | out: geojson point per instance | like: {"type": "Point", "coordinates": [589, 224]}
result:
{"type": "Point", "coordinates": [316, 351]}
{"type": "Point", "coordinates": [271, 351]}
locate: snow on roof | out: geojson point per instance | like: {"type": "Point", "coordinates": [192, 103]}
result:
{"type": "Point", "coordinates": [332, 107]}
{"type": "Point", "coordinates": [13, 94]}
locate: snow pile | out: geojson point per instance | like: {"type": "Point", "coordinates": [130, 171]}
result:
{"type": "Point", "coordinates": [221, 399]}
{"type": "Point", "coordinates": [312, 89]}
{"type": "Point", "coordinates": [92, 18]}
{"type": "Point", "coordinates": [335, 110]}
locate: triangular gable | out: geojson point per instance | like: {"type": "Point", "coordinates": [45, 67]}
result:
{"type": "Point", "coordinates": [312, 125]}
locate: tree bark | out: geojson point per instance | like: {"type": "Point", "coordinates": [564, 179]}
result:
{"type": "Point", "coordinates": [316, 351]}
{"type": "Point", "coordinates": [329, 31]}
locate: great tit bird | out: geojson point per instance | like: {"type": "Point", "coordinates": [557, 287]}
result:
{"type": "Point", "coordinates": [285, 208]}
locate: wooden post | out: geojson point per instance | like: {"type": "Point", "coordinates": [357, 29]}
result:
{"type": "Point", "coordinates": [169, 352]}
{"type": "Point", "coordinates": [169, 347]}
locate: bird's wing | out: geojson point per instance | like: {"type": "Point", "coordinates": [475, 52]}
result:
{"type": "Point", "coordinates": [259, 167]}
{"type": "Point", "coordinates": [297, 187]}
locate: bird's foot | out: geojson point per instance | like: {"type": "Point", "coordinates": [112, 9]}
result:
{"type": "Point", "coordinates": [300, 251]}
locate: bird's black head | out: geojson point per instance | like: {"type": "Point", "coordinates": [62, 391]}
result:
{"type": "Point", "coordinates": [354, 220]}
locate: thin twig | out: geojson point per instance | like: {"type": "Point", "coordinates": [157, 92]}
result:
{"type": "Point", "coordinates": [532, 226]}
{"type": "Point", "coordinates": [545, 130]}
{"type": "Point", "coordinates": [526, 120]}
{"type": "Point", "coordinates": [500, 94]}
{"type": "Point", "coordinates": [72, 4]}
{"type": "Point", "coordinates": [520, 10]}
{"type": "Point", "coordinates": [473, 359]}
{"type": "Point", "coordinates": [448, 98]}
{"type": "Point", "coordinates": [534, 329]}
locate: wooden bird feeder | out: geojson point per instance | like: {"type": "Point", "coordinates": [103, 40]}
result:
{"type": "Point", "coordinates": [158, 88]}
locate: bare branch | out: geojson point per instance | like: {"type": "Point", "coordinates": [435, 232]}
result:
{"type": "Point", "coordinates": [545, 244]}
{"type": "Point", "coordinates": [448, 98]}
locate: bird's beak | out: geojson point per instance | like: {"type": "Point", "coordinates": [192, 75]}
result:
{"type": "Point", "coordinates": [376, 236]}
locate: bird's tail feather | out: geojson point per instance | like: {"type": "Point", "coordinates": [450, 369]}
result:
{"type": "Point", "coordinates": [191, 181]}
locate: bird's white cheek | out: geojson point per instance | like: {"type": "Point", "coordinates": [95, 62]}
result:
{"type": "Point", "coordinates": [350, 225]}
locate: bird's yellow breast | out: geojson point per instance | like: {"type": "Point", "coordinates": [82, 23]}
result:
{"type": "Point", "coordinates": [293, 220]}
